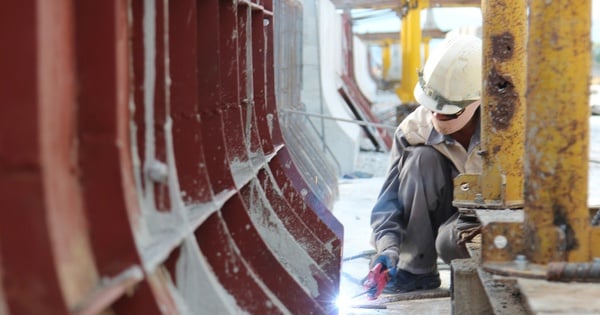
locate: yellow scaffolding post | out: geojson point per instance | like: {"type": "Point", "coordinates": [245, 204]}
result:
{"type": "Point", "coordinates": [500, 185]}
{"type": "Point", "coordinates": [426, 41]}
{"type": "Point", "coordinates": [410, 40]}
{"type": "Point", "coordinates": [557, 131]}
{"type": "Point", "coordinates": [386, 58]}
{"type": "Point", "coordinates": [503, 119]}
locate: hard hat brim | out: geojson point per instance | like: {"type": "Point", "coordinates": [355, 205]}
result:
{"type": "Point", "coordinates": [422, 98]}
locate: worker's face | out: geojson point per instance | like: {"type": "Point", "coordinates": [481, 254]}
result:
{"type": "Point", "coordinates": [449, 124]}
{"type": "Point", "coordinates": [442, 117]}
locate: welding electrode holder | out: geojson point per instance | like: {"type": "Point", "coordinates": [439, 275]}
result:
{"type": "Point", "coordinates": [376, 280]}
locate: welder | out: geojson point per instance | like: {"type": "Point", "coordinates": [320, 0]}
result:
{"type": "Point", "coordinates": [413, 220]}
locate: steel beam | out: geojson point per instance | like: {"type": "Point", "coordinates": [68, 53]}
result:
{"type": "Point", "coordinates": [47, 260]}
{"type": "Point", "coordinates": [184, 52]}
{"type": "Point", "coordinates": [231, 268]}
{"type": "Point", "coordinates": [374, 38]}
{"type": "Point", "coordinates": [102, 55]}
{"type": "Point", "coordinates": [253, 223]}
{"type": "Point", "coordinates": [144, 164]}
{"type": "Point", "coordinates": [313, 240]}
{"type": "Point", "coordinates": [213, 65]}
{"type": "Point", "coordinates": [385, 4]}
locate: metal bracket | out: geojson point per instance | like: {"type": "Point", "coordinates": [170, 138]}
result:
{"type": "Point", "coordinates": [501, 241]}
{"type": "Point", "coordinates": [482, 192]}
{"type": "Point", "coordinates": [467, 191]}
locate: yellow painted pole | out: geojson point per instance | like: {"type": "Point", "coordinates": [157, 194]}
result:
{"type": "Point", "coordinates": [426, 41]}
{"type": "Point", "coordinates": [386, 58]}
{"type": "Point", "coordinates": [410, 39]}
{"type": "Point", "coordinates": [503, 106]}
{"type": "Point", "coordinates": [557, 131]}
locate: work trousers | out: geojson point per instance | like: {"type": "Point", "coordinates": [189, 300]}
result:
{"type": "Point", "coordinates": [432, 225]}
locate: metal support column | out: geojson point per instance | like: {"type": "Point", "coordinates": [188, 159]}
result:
{"type": "Point", "coordinates": [503, 110]}
{"type": "Point", "coordinates": [503, 89]}
{"type": "Point", "coordinates": [386, 59]}
{"type": "Point", "coordinates": [550, 239]}
{"type": "Point", "coordinates": [557, 131]}
{"type": "Point", "coordinates": [410, 39]}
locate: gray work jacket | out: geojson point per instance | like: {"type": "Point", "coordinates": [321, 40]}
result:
{"type": "Point", "coordinates": [416, 129]}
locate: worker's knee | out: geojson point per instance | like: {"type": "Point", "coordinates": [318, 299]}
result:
{"type": "Point", "coordinates": [425, 156]}
{"type": "Point", "coordinates": [425, 161]}
{"type": "Point", "coordinates": [426, 165]}
{"type": "Point", "coordinates": [446, 243]}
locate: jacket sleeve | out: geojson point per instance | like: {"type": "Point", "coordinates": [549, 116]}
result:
{"type": "Point", "coordinates": [387, 228]}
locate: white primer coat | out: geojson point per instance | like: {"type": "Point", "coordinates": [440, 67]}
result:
{"type": "Point", "coordinates": [3, 307]}
{"type": "Point", "coordinates": [199, 212]}
{"type": "Point", "coordinates": [198, 284]}
{"type": "Point", "coordinates": [241, 171]}
{"type": "Point", "coordinates": [149, 88]}
{"type": "Point", "coordinates": [249, 82]}
{"type": "Point", "coordinates": [278, 239]}
{"type": "Point", "coordinates": [321, 68]}
{"type": "Point", "coordinates": [140, 227]}
{"type": "Point", "coordinates": [164, 230]}
{"type": "Point", "coordinates": [258, 280]}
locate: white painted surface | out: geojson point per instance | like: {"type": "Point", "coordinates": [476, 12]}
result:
{"type": "Point", "coordinates": [322, 67]}
{"type": "Point", "coordinates": [361, 70]}
{"type": "Point", "coordinates": [278, 239]}
{"type": "Point", "coordinates": [198, 284]}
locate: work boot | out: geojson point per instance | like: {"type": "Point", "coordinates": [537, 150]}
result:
{"type": "Point", "coordinates": [405, 281]}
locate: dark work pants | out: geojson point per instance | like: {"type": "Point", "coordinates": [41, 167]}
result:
{"type": "Point", "coordinates": [430, 221]}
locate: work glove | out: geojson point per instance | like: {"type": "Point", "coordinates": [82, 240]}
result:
{"type": "Point", "coordinates": [388, 259]}
{"type": "Point", "coordinates": [466, 235]}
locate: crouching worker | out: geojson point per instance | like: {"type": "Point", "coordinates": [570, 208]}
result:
{"type": "Point", "coordinates": [413, 219]}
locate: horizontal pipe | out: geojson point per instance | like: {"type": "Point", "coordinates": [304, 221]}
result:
{"type": "Point", "coordinates": [362, 123]}
{"type": "Point", "coordinates": [563, 271]}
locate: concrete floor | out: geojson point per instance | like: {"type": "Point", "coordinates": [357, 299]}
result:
{"type": "Point", "coordinates": [353, 210]}
{"type": "Point", "coordinates": [354, 270]}
{"type": "Point", "coordinates": [440, 306]}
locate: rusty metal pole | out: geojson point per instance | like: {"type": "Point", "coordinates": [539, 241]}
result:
{"type": "Point", "coordinates": [503, 105]}
{"type": "Point", "coordinates": [557, 131]}
{"type": "Point", "coordinates": [500, 184]}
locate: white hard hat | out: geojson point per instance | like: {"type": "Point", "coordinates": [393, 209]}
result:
{"type": "Point", "coordinates": [451, 77]}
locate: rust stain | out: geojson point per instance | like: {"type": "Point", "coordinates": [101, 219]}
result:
{"type": "Point", "coordinates": [561, 221]}
{"type": "Point", "coordinates": [503, 99]}
{"type": "Point", "coordinates": [532, 241]}
{"type": "Point", "coordinates": [496, 149]}
{"type": "Point", "coordinates": [503, 46]}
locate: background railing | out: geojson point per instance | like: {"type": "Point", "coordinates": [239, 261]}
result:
{"type": "Point", "coordinates": [307, 147]}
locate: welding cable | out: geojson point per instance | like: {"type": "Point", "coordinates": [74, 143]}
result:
{"type": "Point", "coordinates": [363, 254]}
